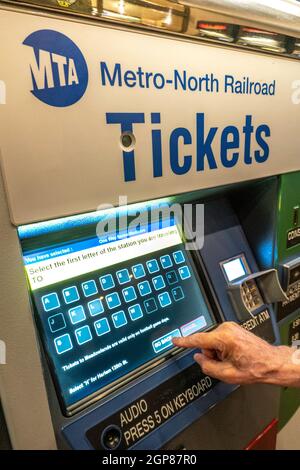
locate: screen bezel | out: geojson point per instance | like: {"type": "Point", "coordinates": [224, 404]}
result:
{"type": "Point", "coordinates": [116, 385]}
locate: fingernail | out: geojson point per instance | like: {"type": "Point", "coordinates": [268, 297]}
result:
{"type": "Point", "coordinates": [197, 357]}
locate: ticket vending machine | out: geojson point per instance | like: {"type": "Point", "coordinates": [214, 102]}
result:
{"type": "Point", "coordinates": [93, 295]}
{"type": "Point", "coordinates": [273, 230]}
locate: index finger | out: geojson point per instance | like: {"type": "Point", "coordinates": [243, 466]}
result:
{"type": "Point", "coordinates": [198, 340]}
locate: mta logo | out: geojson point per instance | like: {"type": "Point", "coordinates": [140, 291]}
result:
{"type": "Point", "coordinates": [58, 69]}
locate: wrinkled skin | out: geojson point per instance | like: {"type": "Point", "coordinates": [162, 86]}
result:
{"type": "Point", "coordinates": [236, 356]}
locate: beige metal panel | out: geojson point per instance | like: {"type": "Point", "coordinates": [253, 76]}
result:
{"type": "Point", "coordinates": [22, 388]}
{"type": "Point", "coordinates": [234, 423]}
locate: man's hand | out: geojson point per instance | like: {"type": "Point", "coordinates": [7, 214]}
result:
{"type": "Point", "coordinates": [234, 355]}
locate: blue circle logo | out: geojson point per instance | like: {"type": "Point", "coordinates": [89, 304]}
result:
{"type": "Point", "coordinates": [58, 69]}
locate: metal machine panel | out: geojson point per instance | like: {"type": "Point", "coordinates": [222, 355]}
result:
{"type": "Point", "coordinates": [88, 431]}
{"type": "Point", "coordinates": [4, 437]}
{"type": "Point", "coordinates": [100, 118]}
{"type": "Point", "coordinates": [288, 246]}
{"type": "Point", "coordinates": [244, 414]}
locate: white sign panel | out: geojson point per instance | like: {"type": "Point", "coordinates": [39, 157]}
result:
{"type": "Point", "coordinates": [199, 115]}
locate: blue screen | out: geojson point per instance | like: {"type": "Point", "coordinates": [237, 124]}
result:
{"type": "Point", "coordinates": [108, 304]}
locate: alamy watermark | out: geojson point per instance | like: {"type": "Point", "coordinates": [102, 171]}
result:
{"type": "Point", "coordinates": [136, 219]}
{"type": "Point", "coordinates": [296, 353]}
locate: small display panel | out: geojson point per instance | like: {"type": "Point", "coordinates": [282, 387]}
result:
{"type": "Point", "coordinates": [234, 269]}
{"type": "Point", "coordinates": [107, 306]}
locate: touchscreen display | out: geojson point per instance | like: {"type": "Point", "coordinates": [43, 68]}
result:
{"type": "Point", "coordinates": [108, 306]}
